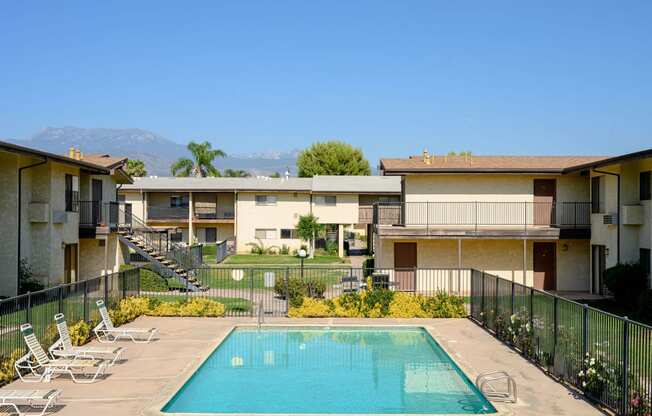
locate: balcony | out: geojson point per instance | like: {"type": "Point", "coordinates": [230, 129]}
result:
{"type": "Point", "coordinates": [209, 211]}
{"type": "Point", "coordinates": [490, 218]}
{"type": "Point", "coordinates": [160, 213]}
{"type": "Point", "coordinates": [365, 214]}
{"type": "Point", "coordinates": [101, 217]}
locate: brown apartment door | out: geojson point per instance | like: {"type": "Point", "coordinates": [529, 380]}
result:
{"type": "Point", "coordinates": [545, 266]}
{"type": "Point", "coordinates": [545, 195]}
{"type": "Point", "coordinates": [405, 263]}
{"type": "Point", "coordinates": [70, 263]}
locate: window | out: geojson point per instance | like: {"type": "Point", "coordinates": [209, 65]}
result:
{"type": "Point", "coordinates": [72, 193]}
{"type": "Point", "coordinates": [644, 259]}
{"type": "Point", "coordinates": [211, 235]}
{"type": "Point", "coordinates": [326, 200]}
{"type": "Point", "coordinates": [265, 200]}
{"type": "Point", "coordinates": [265, 233]}
{"type": "Point", "coordinates": [179, 201]}
{"type": "Point", "coordinates": [646, 186]}
{"type": "Point", "coordinates": [595, 195]}
{"type": "Point", "coordinates": [176, 237]}
{"type": "Point", "coordinates": [288, 234]}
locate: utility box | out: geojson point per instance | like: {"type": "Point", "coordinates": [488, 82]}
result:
{"type": "Point", "coordinates": [39, 212]}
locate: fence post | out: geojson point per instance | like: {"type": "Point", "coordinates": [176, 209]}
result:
{"type": "Point", "coordinates": [106, 290]}
{"type": "Point", "coordinates": [61, 299]}
{"type": "Point", "coordinates": [554, 329]}
{"type": "Point", "coordinates": [251, 289]}
{"type": "Point", "coordinates": [123, 276]}
{"type": "Point", "coordinates": [625, 398]}
{"type": "Point", "coordinates": [496, 301]}
{"type": "Point", "coordinates": [512, 303]}
{"type": "Point", "coordinates": [137, 282]}
{"type": "Point", "coordinates": [86, 301]}
{"type": "Point", "coordinates": [287, 290]}
{"type": "Point", "coordinates": [29, 307]}
{"type": "Point", "coordinates": [585, 330]}
{"type": "Point", "coordinates": [484, 318]}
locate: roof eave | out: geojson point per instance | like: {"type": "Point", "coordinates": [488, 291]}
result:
{"type": "Point", "coordinates": [610, 161]}
{"type": "Point", "coordinates": [405, 171]}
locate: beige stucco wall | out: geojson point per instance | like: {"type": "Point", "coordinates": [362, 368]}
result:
{"type": "Point", "coordinates": [92, 256]}
{"type": "Point", "coordinates": [285, 214]}
{"type": "Point", "coordinates": [138, 203]}
{"type": "Point", "coordinates": [633, 237]}
{"type": "Point", "coordinates": [500, 257]}
{"type": "Point", "coordinates": [9, 223]}
{"type": "Point", "coordinates": [345, 211]}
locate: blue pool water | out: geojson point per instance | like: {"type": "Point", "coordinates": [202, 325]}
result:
{"type": "Point", "coordinates": [329, 370]}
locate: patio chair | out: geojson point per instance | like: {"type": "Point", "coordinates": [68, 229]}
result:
{"type": "Point", "coordinates": [42, 368]}
{"type": "Point", "coordinates": [106, 332]}
{"type": "Point", "coordinates": [63, 346]}
{"type": "Point", "coordinates": [350, 284]}
{"type": "Point", "coordinates": [36, 399]}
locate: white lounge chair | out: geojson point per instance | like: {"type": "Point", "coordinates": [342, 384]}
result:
{"type": "Point", "coordinates": [36, 399]}
{"type": "Point", "coordinates": [42, 368]}
{"type": "Point", "coordinates": [106, 332]}
{"type": "Point", "coordinates": [63, 347]}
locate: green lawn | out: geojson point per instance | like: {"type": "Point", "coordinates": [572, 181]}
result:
{"type": "Point", "coordinates": [246, 277]}
{"type": "Point", "coordinates": [285, 260]}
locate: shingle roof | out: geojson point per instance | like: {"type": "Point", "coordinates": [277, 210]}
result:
{"type": "Point", "coordinates": [486, 163]}
{"type": "Point", "coordinates": [92, 167]}
{"type": "Point", "coordinates": [106, 161]}
{"type": "Point", "coordinates": [344, 184]}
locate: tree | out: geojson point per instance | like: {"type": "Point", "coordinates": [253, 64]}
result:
{"type": "Point", "coordinates": [308, 229]}
{"type": "Point", "coordinates": [275, 175]}
{"type": "Point", "coordinates": [332, 158]}
{"type": "Point", "coordinates": [236, 173]}
{"type": "Point", "coordinates": [462, 153]}
{"type": "Point", "coordinates": [136, 168]}
{"type": "Point", "coordinates": [202, 165]}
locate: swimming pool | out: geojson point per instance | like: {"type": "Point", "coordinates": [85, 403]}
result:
{"type": "Point", "coordinates": [329, 370]}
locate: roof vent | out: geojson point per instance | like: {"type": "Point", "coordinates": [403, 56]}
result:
{"type": "Point", "coordinates": [287, 173]}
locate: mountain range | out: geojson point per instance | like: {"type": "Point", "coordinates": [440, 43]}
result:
{"type": "Point", "coordinates": [156, 151]}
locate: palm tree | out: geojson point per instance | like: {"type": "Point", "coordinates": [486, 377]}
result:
{"type": "Point", "coordinates": [236, 173]}
{"type": "Point", "coordinates": [202, 165]}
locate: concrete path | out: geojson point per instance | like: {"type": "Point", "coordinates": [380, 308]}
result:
{"type": "Point", "coordinates": [152, 373]}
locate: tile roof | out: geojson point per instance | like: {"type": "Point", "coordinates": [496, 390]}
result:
{"type": "Point", "coordinates": [486, 163]}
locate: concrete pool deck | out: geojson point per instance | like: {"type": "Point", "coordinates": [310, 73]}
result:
{"type": "Point", "coordinates": [152, 373]}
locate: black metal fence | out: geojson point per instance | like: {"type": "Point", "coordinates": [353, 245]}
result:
{"type": "Point", "coordinates": [75, 300]}
{"type": "Point", "coordinates": [559, 335]}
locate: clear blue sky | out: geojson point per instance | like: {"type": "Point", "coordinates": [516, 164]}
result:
{"type": "Point", "coordinates": [494, 77]}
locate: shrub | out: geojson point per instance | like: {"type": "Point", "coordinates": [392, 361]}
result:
{"type": "Point", "coordinates": [314, 288]}
{"type": "Point", "coordinates": [368, 267]}
{"type": "Point", "coordinates": [625, 282]}
{"type": "Point", "coordinates": [331, 248]}
{"type": "Point", "coordinates": [80, 332]}
{"type": "Point", "coordinates": [285, 250]}
{"type": "Point", "coordinates": [348, 305]}
{"type": "Point", "coordinates": [201, 307]}
{"type": "Point", "coordinates": [7, 371]}
{"type": "Point", "coordinates": [405, 305]}
{"type": "Point", "coordinates": [644, 312]}
{"type": "Point", "coordinates": [26, 280]}
{"type": "Point", "coordinates": [295, 289]}
{"type": "Point", "coordinates": [150, 281]}
{"type": "Point", "coordinates": [129, 309]}
{"type": "Point", "coordinates": [443, 305]}
{"type": "Point", "coordinates": [376, 302]}
{"type": "Point", "coordinates": [165, 309]}
{"type": "Point", "coordinates": [311, 308]}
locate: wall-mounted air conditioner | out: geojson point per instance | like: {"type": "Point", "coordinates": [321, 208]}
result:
{"type": "Point", "coordinates": [610, 219]}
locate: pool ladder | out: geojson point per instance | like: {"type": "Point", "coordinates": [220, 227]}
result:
{"type": "Point", "coordinates": [489, 384]}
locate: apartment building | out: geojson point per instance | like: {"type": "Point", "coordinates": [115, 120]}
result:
{"type": "Point", "coordinates": [621, 213]}
{"type": "Point", "coordinates": [57, 215]}
{"type": "Point", "coordinates": [243, 210]}
{"type": "Point", "coordinates": [523, 218]}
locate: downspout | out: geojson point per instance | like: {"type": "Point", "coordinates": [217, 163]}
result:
{"type": "Point", "coordinates": [20, 197]}
{"type": "Point", "coordinates": [617, 175]}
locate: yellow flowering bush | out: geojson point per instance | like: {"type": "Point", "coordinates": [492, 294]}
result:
{"type": "Point", "coordinates": [405, 305]}
{"type": "Point", "coordinates": [311, 308]}
{"type": "Point", "coordinates": [201, 307]}
{"type": "Point", "coordinates": [165, 309]}
{"type": "Point", "coordinates": [80, 332]}
{"type": "Point", "coordinates": [382, 303]}
{"type": "Point", "coordinates": [7, 371]}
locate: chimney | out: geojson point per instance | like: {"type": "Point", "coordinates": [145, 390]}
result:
{"type": "Point", "coordinates": [77, 154]}
{"type": "Point", "coordinates": [426, 157]}
{"type": "Point", "coordinates": [71, 152]}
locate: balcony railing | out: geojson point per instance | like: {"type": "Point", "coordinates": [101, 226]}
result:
{"type": "Point", "coordinates": [167, 213]}
{"type": "Point", "coordinates": [205, 214]}
{"type": "Point", "coordinates": [484, 214]}
{"type": "Point", "coordinates": [365, 214]}
{"type": "Point", "coordinates": [104, 214]}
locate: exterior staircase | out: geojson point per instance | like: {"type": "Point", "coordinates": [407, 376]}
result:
{"type": "Point", "coordinates": [167, 260]}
